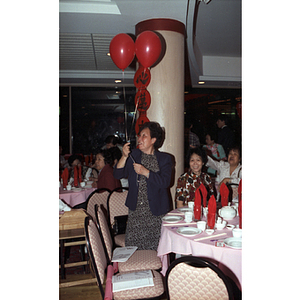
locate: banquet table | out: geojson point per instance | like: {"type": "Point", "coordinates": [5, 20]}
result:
{"type": "Point", "coordinates": [229, 260]}
{"type": "Point", "coordinates": [75, 196]}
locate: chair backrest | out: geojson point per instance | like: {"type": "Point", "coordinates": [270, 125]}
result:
{"type": "Point", "coordinates": [116, 204]}
{"type": "Point", "coordinates": [96, 251]}
{"type": "Point", "coordinates": [104, 231]}
{"type": "Point", "coordinates": [233, 191]}
{"type": "Point", "coordinates": [99, 197]}
{"type": "Point", "coordinates": [195, 278]}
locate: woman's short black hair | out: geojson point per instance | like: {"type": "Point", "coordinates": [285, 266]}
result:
{"type": "Point", "coordinates": [115, 152]}
{"type": "Point", "coordinates": [113, 139]}
{"type": "Point", "coordinates": [72, 158]}
{"type": "Point", "coordinates": [213, 135]}
{"type": "Point", "coordinates": [107, 155]}
{"type": "Point", "coordinates": [156, 131]}
{"type": "Point", "coordinates": [238, 149]}
{"type": "Point", "coordinates": [199, 151]}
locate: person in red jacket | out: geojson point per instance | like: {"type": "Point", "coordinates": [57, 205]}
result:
{"type": "Point", "coordinates": [104, 164]}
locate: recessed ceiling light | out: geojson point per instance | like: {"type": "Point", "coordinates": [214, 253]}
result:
{"type": "Point", "coordinates": [201, 82]}
{"type": "Point", "coordinates": [118, 81]}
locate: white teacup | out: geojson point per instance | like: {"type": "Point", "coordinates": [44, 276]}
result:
{"type": "Point", "coordinates": [191, 205]}
{"type": "Point", "coordinates": [188, 216]}
{"type": "Point", "coordinates": [237, 232]}
{"type": "Point", "coordinates": [69, 187]}
{"type": "Point", "coordinates": [201, 225]}
{"type": "Point", "coordinates": [82, 184]}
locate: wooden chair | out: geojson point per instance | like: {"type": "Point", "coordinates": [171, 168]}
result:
{"type": "Point", "coordinates": [100, 264]}
{"type": "Point", "coordinates": [195, 278]}
{"type": "Point", "coordinates": [99, 197]}
{"type": "Point", "coordinates": [140, 260]}
{"type": "Point", "coordinates": [116, 207]}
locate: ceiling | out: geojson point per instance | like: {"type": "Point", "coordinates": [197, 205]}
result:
{"type": "Point", "coordinates": [87, 27]}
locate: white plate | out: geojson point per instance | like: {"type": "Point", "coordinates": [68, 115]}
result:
{"type": "Point", "coordinates": [188, 231]}
{"type": "Point", "coordinates": [233, 242]}
{"type": "Point", "coordinates": [184, 209]}
{"type": "Point", "coordinates": [75, 189]}
{"type": "Point", "coordinates": [88, 187]}
{"type": "Point", "coordinates": [172, 219]}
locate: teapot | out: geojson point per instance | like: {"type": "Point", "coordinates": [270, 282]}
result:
{"type": "Point", "coordinates": [227, 212]}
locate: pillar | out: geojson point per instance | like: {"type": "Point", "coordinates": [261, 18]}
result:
{"type": "Point", "coordinates": [167, 89]}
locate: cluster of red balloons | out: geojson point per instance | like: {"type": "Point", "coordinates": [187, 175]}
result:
{"type": "Point", "coordinates": [147, 49]}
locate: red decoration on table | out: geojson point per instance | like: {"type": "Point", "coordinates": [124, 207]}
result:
{"type": "Point", "coordinates": [147, 48]}
{"type": "Point", "coordinates": [65, 177]}
{"type": "Point", "coordinates": [240, 190]}
{"type": "Point", "coordinates": [204, 194]}
{"type": "Point", "coordinates": [211, 215]}
{"type": "Point", "coordinates": [75, 176]}
{"type": "Point", "coordinates": [79, 174]}
{"type": "Point", "coordinates": [197, 205]}
{"type": "Point", "coordinates": [87, 160]}
{"type": "Point", "coordinates": [240, 213]}
{"type": "Point", "coordinates": [224, 192]}
{"type": "Point", "coordinates": [121, 50]}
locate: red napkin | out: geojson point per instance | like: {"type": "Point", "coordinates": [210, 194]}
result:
{"type": "Point", "coordinates": [79, 174]}
{"type": "Point", "coordinates": [224, 192]}
{"type": "Point", "coordinates": [65, 177]}
{"type": "Point", "coordinates": [87, 160]}
{"type": "Point", "coordinates": [75, 176]}
{"type": "Point", "coordinates": [240, 190]}
{"type": "Point", "coordinates": [211, 215]}
{"type": "Point", "coordinates": [197, 205]}
{"type": "Point", "coordinates": [240, 213]}
{"type": "Point", "coordinates": [204, 193]}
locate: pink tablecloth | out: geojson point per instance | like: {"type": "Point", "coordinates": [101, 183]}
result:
{"type": "Point", "coordinates": [229, 259]}
{"type": "Point", "coordinates": [75, 197]}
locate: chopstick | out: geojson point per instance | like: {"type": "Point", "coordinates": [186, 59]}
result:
{"type": "Point", "coordinates": [175, 224]}
{"type": "Point", "coordinates": [209, 237]}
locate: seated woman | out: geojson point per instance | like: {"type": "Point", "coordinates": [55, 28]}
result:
{"type": "Point", "coordinates": [104, 164]}
{"type": "Point", "coordinates": [230, 171]}
{"type": "Point", "coordinates": [188, 183]}
{"type": "Point", "coordinates": [213, 149]}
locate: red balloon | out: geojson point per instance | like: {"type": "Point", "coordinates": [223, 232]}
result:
{"type": "Point", "coordinates": [147, 48]}
{"type": "Point", "coordinates": [121, 50]}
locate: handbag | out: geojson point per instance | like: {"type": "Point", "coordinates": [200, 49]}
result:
{"type": "Point", "coordinates": [119, 225]}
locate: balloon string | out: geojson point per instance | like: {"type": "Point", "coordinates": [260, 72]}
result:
{"type": "Point", "coordinates": [134, 115]}
{"type": "Point", "coordinates": [125, 109]}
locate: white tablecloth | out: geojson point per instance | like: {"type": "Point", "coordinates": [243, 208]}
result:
{"type": "Point", "coordinates": [229, 259]}
{"type": "Point", "coordinates": [75, 197]}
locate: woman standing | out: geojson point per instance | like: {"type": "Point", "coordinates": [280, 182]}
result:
{"type": "Point", "coordinates": [149, 177]}
{"type": "Point", "coordinates": [188, 183]}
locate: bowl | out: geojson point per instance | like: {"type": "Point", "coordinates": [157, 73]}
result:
{"type": "Point", "coordinates": [237, 232]}
{"type": "Point", "coordinates": [227, 212]}
{"type": "Point", "coordinates": [220, 226]}
{"type": "Point", "coordinates": [209, 231]}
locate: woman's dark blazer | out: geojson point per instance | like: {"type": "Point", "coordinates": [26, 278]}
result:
{"type": "Point", "coordinates": [158, 183]}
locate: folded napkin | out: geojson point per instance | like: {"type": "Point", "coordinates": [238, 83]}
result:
{"type": "Point", "coordinates": [79, 174]}
{"type": "Point", "coordinates": [75, 176]}
{"type": "Point", "coordinates": [87, 160]}
{"type": "Point", "coordinates": [65, 177]}
{"type": "Point", "coordinates": [197, 204]}
{"type": "Point", "coordinates": [203, 193]}
{"type": "Point", "coordinates": [240, 212]}
{"type": "Point", "coordinates": [211, 215]}
{"type": "Point", "coordinates": [240, 190]}
{"type": "Point", "coordinates": [224, 192]}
